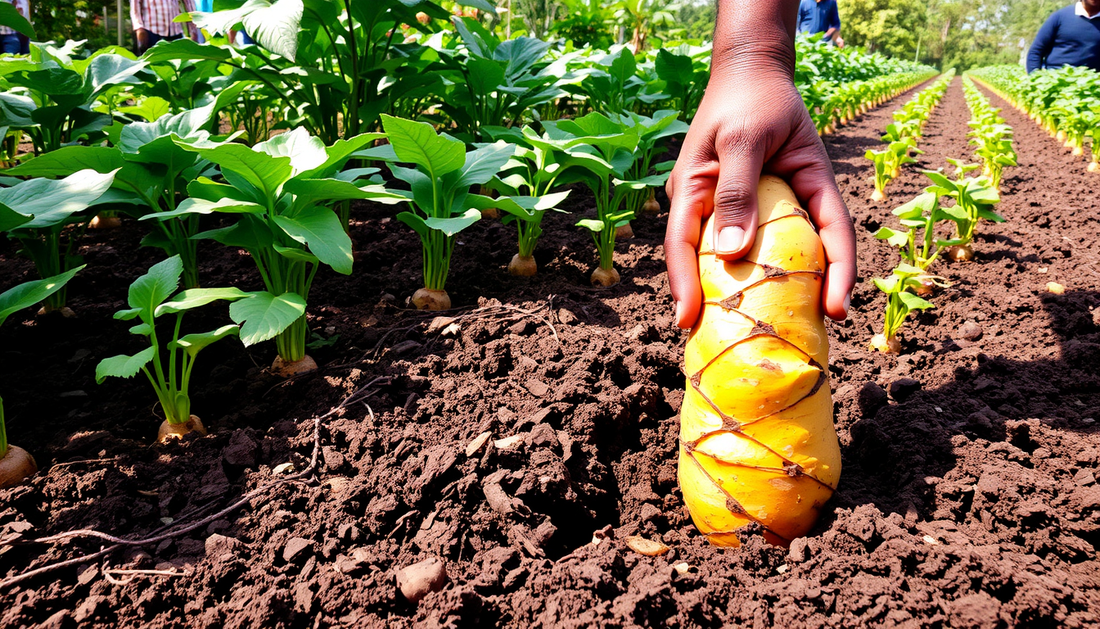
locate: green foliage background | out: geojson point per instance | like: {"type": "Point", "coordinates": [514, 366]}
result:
{"type": "Point", "coordinates": [59, 20]}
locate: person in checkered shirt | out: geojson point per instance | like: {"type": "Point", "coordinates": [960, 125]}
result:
{"type": "Point", "coordinates": [152, 21]}
{"type": "Point", "coordinates": [12, 42]}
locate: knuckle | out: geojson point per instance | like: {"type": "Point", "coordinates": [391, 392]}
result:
{"type": "Point", "coordinates": [733, 201]}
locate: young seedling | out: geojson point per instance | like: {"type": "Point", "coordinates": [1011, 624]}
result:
{"type": "Point", "coordinates": [528, 180]}
{"type": "Point", "coordinates": [278, 192]}
{"type": "Point", "coordinates": [46, 207]}
{"type": "Point", "coordinates": [899, 303]}
{"type": "Point", "coordinates": [918, 244]}
{"type": "Point", "coordinates": [440, 194]}
{"type": "Point", "coordinates": [974, 197]}
{"type": "Point", "coordinates": [888, 164]}
{"type": "Point", "coordinates": [16, 464]}
{"type": "Point", "coordinates": [603, 162]}
{"type": "Point", "coordinates": [167, 365]}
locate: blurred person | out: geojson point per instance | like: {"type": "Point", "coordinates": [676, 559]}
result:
{"type": "Point", "coordinates": [152, 21]}
{"type": "Point", "coordinates": [11, 41]}
{"type": "Point", "coordinates": [820, 16]}
{"type": "Point", "coordinates": [752, 120]}
{"type": "Point", "coordinates": [1069, 37]}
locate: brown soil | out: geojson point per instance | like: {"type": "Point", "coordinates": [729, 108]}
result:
{"type": "Point", "coordinates": [968, 497]}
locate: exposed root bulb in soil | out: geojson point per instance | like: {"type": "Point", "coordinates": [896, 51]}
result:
{"type": "Point", "coordinates": [1060, 136]}
{"type": "Point", "coordinates": [64, 311]}
{"type": "Point", "coordinates": [605, 277]}
{"type": "Point", "coordinates": [961, 253]}
{"type": "Point", "coordinates": [1078, 150]}
{"type": "Point", "coordinates": [169, 431]}
{"type": "Point", "coordinates": [428, 299]}
{"type": "Point", "coordinates": [490, 212]}
{"type": "Point", "coordinates": [878, 195]}
{"type": "Point", "coordinates": [880, 343]}
{"type": "Point", "coordinates": [523, 266]}
{"type": "Point", "coordinates": [927, 286]}
{"type": "Point", "coordinates": [624, 232]}
{"type": "Point", "coordinates": [284, 369]}
{"type": "Point", "coordinates": [105, 222]}
{"type": "Point", "coordinates": [1093, 167]}
{"type": "Point", "coordinates": [651, 206]}
{"type": "Point", "coordinates": [16, 466]}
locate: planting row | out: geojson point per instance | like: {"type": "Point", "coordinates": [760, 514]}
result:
{"type": "Point", "coordinates": [904, 133]}
{"type": "Point", "coordinates": [960, 203]}
{"type": "Point", "coordinates": [1065, 102]}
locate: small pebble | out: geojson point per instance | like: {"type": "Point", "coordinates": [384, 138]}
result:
{"type": "Point", "coordinates": [422, 578]}
{"type": "Point", "coordinates": [1055, 288]}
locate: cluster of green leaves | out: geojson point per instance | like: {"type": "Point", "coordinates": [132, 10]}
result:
{"type": "Point", "coordinates": [991, 137]}
{"type": "Point", "coordinates": [971, 200]}
{"type": "Point", "coordinates": [169, 359]}
{"type": "Point", "coordinates": [1065, 101]}
{"type": "Point", "coordinates": [904, 133]}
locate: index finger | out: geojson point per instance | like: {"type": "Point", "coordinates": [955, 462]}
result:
{"type": "Point", "coordinates": [692, 186]}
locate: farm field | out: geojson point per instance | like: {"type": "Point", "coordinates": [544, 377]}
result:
{"type": "Point", "coordinates": [967, 499]}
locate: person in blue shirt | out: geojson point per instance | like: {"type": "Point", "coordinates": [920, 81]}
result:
{"type": "Point", "coordinates": [1069, 37]}
{"type": "Point", "coordinates": [821, 16]}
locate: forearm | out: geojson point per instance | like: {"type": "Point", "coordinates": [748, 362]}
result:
{"type": "Point", "coordinates": [754, 36]}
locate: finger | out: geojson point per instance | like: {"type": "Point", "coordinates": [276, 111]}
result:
{"type": "Point", "coordinates": [691, 195]}
{"type": "Point", "coordinates": [735, 215]}
{"type": "Point", "coordinates": [816, 185]}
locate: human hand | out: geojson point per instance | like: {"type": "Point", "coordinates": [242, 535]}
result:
{"type": "Point", "coordinates": [752, 119]}
{"type": "Point", "coordinates": [839, 42]}
{"type": "Point", "coordinates": [141, 37]}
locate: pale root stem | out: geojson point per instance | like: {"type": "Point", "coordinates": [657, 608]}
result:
{"type": "Point", "coordinates": [879, 342]}
{"type": "Point", "coordinates": [169, 431]}
{"type": "Point", "coordinates": [523, 266]}
{"type": "Point", "coordinates": [428, 299]}
{"type": "Point", "coordinates": [16, 466]}
{"type": "Point", "coordinates": [605, 277]}
{"type": "Point", "coordinates": [284, 369]}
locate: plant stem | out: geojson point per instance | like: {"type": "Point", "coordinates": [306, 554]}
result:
{"type": "Point", "coordinates": [3, 432]}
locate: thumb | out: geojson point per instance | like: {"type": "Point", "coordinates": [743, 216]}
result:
{"type": "Point", "coordinates": [735, 215]}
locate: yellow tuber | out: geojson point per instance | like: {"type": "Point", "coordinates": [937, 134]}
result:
{"type": "Point", "coordinates": [757, 443]}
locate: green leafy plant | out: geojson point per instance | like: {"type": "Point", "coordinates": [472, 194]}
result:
{"type": "Point", "coordinates": [529, 180]}
{"type": "Point", "coordinates": [152, 172]}
{"type": "Point", "coordinates": [15, 463]}
{"type": "Point", "coordinates": [169, 359]}
{"type": "Point", "coordinates": [900, 301]}
{"type": "Point", "coordinates": [54, 106]}
{"type": "Point", "coordinates": [276, 191]}
{"type": "Point", "coordinates": [974, 198]}
{"type": "Point", "coordinates": [36, 212]}
{"type": "Point", "coordinates": [439, 194]}
{"type": "Point", "coordinates": [917, 243]}
{"type": "Point", "coordinates": [604, 158]}
{"type": "Point", "coordinates": [888, 163]}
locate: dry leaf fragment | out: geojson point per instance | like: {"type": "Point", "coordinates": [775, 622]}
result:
{"type": "Point", "coordinates": [282, 468]}
{"type": "Point", "coordinates": [439, 323]}
{"type": "Point", "coordinates": [931, 541]}
{"type": "Point", "coordinates": [508, 443]}
{"type": "Point", "coordinates": [645, 546]}
{"type": "Point", "coordinates": [477, 443]}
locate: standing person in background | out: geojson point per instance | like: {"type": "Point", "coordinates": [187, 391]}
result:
{"type": "Point", "coordinates": [820, 16]}
{"type": "Point", "coordinates": [11, 42]}
{"type": "Point", "coordinates": [152, 21]}
{"type": "Point", "coordinates": [1069, 37]}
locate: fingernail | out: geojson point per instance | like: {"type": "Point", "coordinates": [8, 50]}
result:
{"type": "Point", "coordinates": [847, 302]}
{"type": "Point", "coordinates": [730, 239]}
{"type": "Point", "coordinates": [679, 314]}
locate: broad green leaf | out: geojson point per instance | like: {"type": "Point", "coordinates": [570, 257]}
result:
{"type": "Point", "coordinates": [306, 152]}
{"type": "Point", "coordinates": [916, 206]}
{"type": "Point", "coordinates": [53, 201]}
{"type": "Point", "coordinates": [315, 191]}
{"type": "Point", "coordinates": [940, 180]}
{"type": "Point", "coordinates": [896, 238]}
{"type": "Point", "coordinates": [451, 226]}
{"type": "Point", "coordinates": [485, 75]}
{"type": "Point", "coordinates": [194, 343]}
{"type": "Point", "coordinates": [482, 164]}
{"type": "Point", "coordinates": [187, 124]}
{"type": "Point", "coordinates": [152, 289]}
{"type": "Point", "coordinates": [30, 293]}
{"type": "Point", "coordinates": [264, 315]}
{"type": "Point", "coordinates": [913, 302]}
{"type": "Point", "coordinates": [259, 169]}
{"type": "Point", "coordinates": [196, 297]}
{"type": "Point", "coordinates": [10, 17]}
{"type": "Point", "coordinates": [275, 26]}
{"type": "Point", "coordinates": [107, 71]}
{"type": "Point", "coordinates": [123, 366]}
{"type": "Point", "coordinates": [418, 143]}
{"type": "Point", "coordinates": [202, 206]}
{"type": "Point", "coordinates": [338, 153]}
{"type": "Point", "coordinates": [320, 230]}
{"type": "Point", "coordinates": [297, 255]}
{"type": "Point", "coordinates": [70, 159]}
{"type": "Point", "coordinates": [591, 224]}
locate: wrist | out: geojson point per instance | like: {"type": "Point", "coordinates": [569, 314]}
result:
{"type": "Point", "coordinates": [749, 60]}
